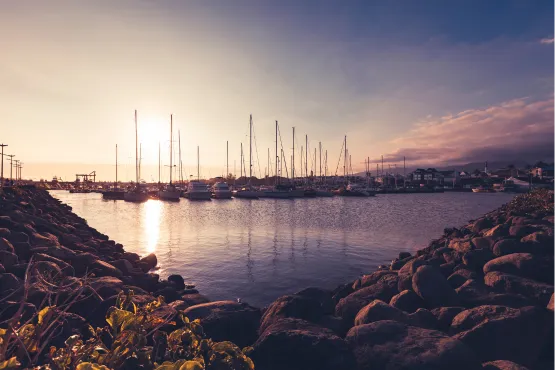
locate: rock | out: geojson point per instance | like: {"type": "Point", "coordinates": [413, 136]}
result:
{"type": "Point", "coordinates": [539, 242]}
{"type": "Point", "coordinates": [396, 346]}
{"type": "Point", "coordinates": [61, 252]}
{"type": "Point", "coordinates": [373, 278]}
{"type": "Point", "coordinates": [446, 269]}
{"type": "Point", "coordinates": [65, 267]}
{"type": "Point", "coordinates": [18, 237]}
{"type": "Point", "coordinates": [398, 263]}
{"type": "Point", "coordinates": [293, 306]}
{"type": "Point", "coordinates": [131, 257]}
{"type": "Point", "coordinates": [460, 277]}
{"type": "Point", "coordinates": [481, 224]}
{"type": "Point", "coordinates": [507, 246]}
{"type": "Point", "coordinates": [149, 262]}
{"type": "Point", "coordinates": [498, 231]}
{"type": "Point", "coordinates": [83, 262]}
{"type": "Point", "coordinates": [403, 255]}
{"type": "Point", "coordinates": [495, 332]}
{"type": "Point", "coordinates": [295, 344]}
{"type": "Point", "coordinates": [519, 231]}
{"type": "Point", "coordinates": [23, 250]}
{"type": "Point", "coordinates": [550, 304]}
{"type": "Point", "coordinates": [8, 259]}
{"type": "Point", "coordinates": [227, 320]}
{"type": "Point", "coordinates": [474, 293]}
{"type": "Point", "coordinates": [384, 290]}
{"type": "Point", "coordinates": [322, 296]}
{"type": "Point", "coordinates": [483, 242]}
{"type": "Point", "coordinates": [148, 282]}
{"type": "Point", "coordinates": [460, 245]}
{"type": "Point", "coordinates": [38, 240]}
{"type": "Point", "coordinates": [423, 319]}
{"type": "Point", "coordinates": [9, 283]}
{"type": "Point", "coordinates": [7, 223]}
{"type": "Point", "coordinates": [379, 310]}
{"type": "Point", "coordinates": [477, 258]}
{"type": "Point", "coordinates": [5, 245]}
{"type": "Point", "coordinates": [169, 294]}
{"type": "Point", "coordinates": [4, 233]}
{"type": "Point", "coordinates": [177, 280]}
{"type": "Point", "coordinates": [502, 365]}
{"type": "Point", "coordinates": [407, 301]}
{"type": "Point", "coordinates": [70, 239]}
{"type": "Point", "coordinates": [512, 284]}
{"type": "Point", "coordinates": [179, 305]}
{"type": "Point", "coordinates": [410, 267]}
{"type": "Point", "coordinates": [445, 316]}
{"type": "Point", "coordinates": [404, 283]}
{"type": "Point", "coordinates": [101, 268]}
{"type": "Point", "coordinates": [106, 286]}
{"type": "Point", "coordinates": [524, 265]}
{"type": "Point", "coordinates": [194, 299]}
{"type": "Point", "coordinates": [2, 269]}
{"type": "Point", "coordinates": [433, 288]}
{"type": "Point", "coordinates": [126, 267]}
{"type": "Point", "coordinates": [342, 291]}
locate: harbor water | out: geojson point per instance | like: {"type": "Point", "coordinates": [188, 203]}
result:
{"type": "Point", "coordinates": [258, 250]}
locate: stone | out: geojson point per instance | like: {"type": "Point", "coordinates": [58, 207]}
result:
{"type": "Point", "coordinates": [496, 332]}
{"type": "Point", "coordinates": [169, 294]}
{"type": "Point", "coordinates": [38, 240]}
{"type": "Point", "coordinates": [477, 258]}
{"type": "Point", "coordinates": [322, 296]}
{"type": "Point", "coordinates": [498, 231]}
{"type": "Point", "coordinates": [475, 293]}
{"type": "Point", "coordinates": [9, 282]}
{"type": "Point", "coordinates": [149, 262]}
{"type": "Point", "coordinates": [374, 277]}
{"type": "Point", "coordinates": [101, 268]}
{"type": "Point", "coordinates": [148, 282]}
{"type": "Point", "coordinates": [508, 246]}
{"type": "Point", "coordinates": [4, 233]}
{"type": "Point", "coordinates": [540, 242]}
{"type": "Point", "coordinates": [433, 288]}
{"type": "Point", "coordinates": [524, 265]}
{"type": "Point", "coordinates": [446, 269]}
{"type": "Point", "coordinates": [227, 320]}
{"type": "Point", "coordinates": [348, 307]}
{"type": "Point", "coordinates": [82, 262]}
{"type": "Point", "coordinates": [379, 310]}
{"type": "Point", "coordinates": [397, 346]}
{"type": "Point", "coordinates": [125, 267]}
{"type": "Point", "coordinates": [460, 277]}
{"type": "Point", "coordinates": [550, 304]}
{"type": "Point", "coordinates": [502, 365]}
{"type": "Point", "coordinates": [481, 242]}
{"type": "Point", "coordinates": [18, 237]}
{"type": "Point", "coordinates": [481, 224]}
{"type": "Point", "coordinates": [445, 316]}
{"type": "Point", "coordinates": [410, 267]}
{"type": "Point", "coordinates": [194, 299]}
{"type": "Point", "coordinates": [70, 239]}
{"type": "Point", "coordinates": [407, 301]}
{"type": "Point", "coordinates": [519, 231]}
{"type": "Point", "coordinates": [177, 280]}
{"type": "Point", "coordinates": [8, 259]}
{"type": "Point", "coordinates": [460, 245]}
{"type": "Point", "coordinates": [295, 344]}
{"type": "Point", "coordinates": [342, 291]}
{"type": "Point", "coordinates": [293, 306]}
{"type": "Point", "coordinates": [512, 284]}
{"type": "Point", "coordinates": [423, 319]}
{"type": "Point", "coordinates": [403, 255]}
{"type": "Point", "coordinates": [7, 223]}
{"type": "Point", "coordinates": [61, 252]}
{"type": "Point", "coordinates": [2, 269]}
{"type": "Point", "coordinates": [106, 286]}
{"type": "Point", "coordinates": [5, 245]}
{"type": "Point", "coordinates": [131, 257]}
{"type": "Point", "coordinates": [179, 305]}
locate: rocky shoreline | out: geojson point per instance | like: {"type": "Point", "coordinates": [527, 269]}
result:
{"type": "Point", "coordinates": [478, 297]}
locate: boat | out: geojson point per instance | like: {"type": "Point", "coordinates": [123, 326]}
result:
{"type": "Point", "coordinates": [170, 191]}
{"type": "Point", "coordinates": [278, 191]}
{"type": "Point", "coordinates": [247, 192]}
{"type": "Point", "coordinates": [323, 192]}
{"type": "Point", "coordinates": [114, 193]}
{"type": "Point", "coordinates": [137, 193]}
{"type": "Point", "coordinates": [197, 190]}
{"type": "Point", "coordinates": [310, 192]}
{"type": "Point", "coordinates": [80, 191]}
{"type": "Point", "coordinates": [221, 190]}
{"type": "Point", "coordinates": [354, 190]}
{"type": "Point", "coordinates": [483, 189]}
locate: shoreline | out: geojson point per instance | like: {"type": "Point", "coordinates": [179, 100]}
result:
{"type": "Point", "coordinates": [492, 276]}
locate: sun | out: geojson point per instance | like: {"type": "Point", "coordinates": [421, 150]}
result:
{"type": "Point", "coordinates": [154, 130]}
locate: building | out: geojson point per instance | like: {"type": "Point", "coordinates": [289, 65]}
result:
{"type": "Point", "coordinates": [451, 177]}
{"type": "Point", "coordinates": [427, 176]}
{"type": "Point", "coordinates": [544, 172]}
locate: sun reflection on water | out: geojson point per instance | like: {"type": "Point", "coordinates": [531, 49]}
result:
{"type": "Point", "coordinates": [151, 218]}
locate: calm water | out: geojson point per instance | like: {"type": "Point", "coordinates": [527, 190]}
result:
{"type": "Point", "coordinates": [258, 250]}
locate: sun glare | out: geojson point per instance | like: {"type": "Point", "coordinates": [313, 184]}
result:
{"type": "Point", "coordinates": [152, 214]}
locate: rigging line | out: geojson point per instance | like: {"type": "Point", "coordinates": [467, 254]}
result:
{"type": "Point", "coordinates": [284, 161]}
{"type": "Point", "coordinates": [340, 156]}
{"type": "Point", "coordinates": [256, 148]}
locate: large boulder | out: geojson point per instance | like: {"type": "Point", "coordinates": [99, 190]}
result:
{"type": "Point", "coordinates": [477, 258]}
{"type": "Point", "coordinates": [502, 365]}
{"type": "Point", "coordinates": [373, 278]}
{"type": "Point", "coordinates": [384, 290]}
{"type": "Point", "coordinates": [508, 246]}
{"type": "Point", "coordinates": [8, 259]}
{"type": "Point", "coordinates": [460, 245]}
{"type": "Point", "coordinates": [295, 344]}
{"type": "Point", "coordinates": [433, 288]}
{"type": "Point", "coordinates": [540, 242]}
{"type": "Point", "coordinates": [227, 320]}
{"type": "Point", "coordinates": [481, 242]}
{"type": "Point", "coordinates": [378, 311]}
{"type": "Point", "coordinates": [475, 293]}
{"type": "Point", "coordinates": [445, 316]}
{"type": "Point", "coordinates": [460, 277]}
{"type": "Point", "coordinates": [498, 231]}
{"type": "Point", "coordinates": [396, 346]}
{"type": "Point", "coordinates": [524, 265]}
{"type": "Point", "coordinates": [322, 296]}
{"type": "Point", "coordinates": [497, 332]}
{"type": "Point", "coordinates": [149, 262]}
{"type": "Point", "coordinates": [102, 268]}
{"type": "Point", "coordinates": [5, 245]}
{"type": "Point", "coordinates": [106, 286]}
{"type": "Point", "coordinates": [293, 306]}
{"type": "Point", "coordinates": [407, 301]}
{"type": "Point", "coordinates": [512, 284]}
{"type": "Point", "coordinates": [481, 224]}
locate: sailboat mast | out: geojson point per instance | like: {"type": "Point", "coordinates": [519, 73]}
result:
{"type": "Point", "coordinates": [198, 163]}
{"type": "Point", "coordinates": [314, 173]}
{"type": "Point", "coordinates": [250, 149]}
{"type": "Point", "coordinates": [345, 159]}
{"type": "Point", "coordinates": [277, 155]}
{"type": "Point", "coordinates": [404, 173]}
{"type": "Point", "coordinates": [171, 146]}
{"type": "Point", "coordinates": [180, 164]}
{"type": "Point", "coordinates": [226, 159]}
{"type": "Point", "coordinates": [302, 152]}
{"type": "Point", "coordinates": [159, 151]}
{"type": "Point", "coordinates": [140, 158]}
{"type": "Point", "coordinates": [136, 152]}
{"type": "Point", "coordinates": [326, 165]}
{"type": "Point", "coordinates": [116, 185]}
{"type": "Point", "coordinates": [293, 158]}
{"type": "Point", "coordinates": [241, 164]}
{"type": "Point", "coordinates": [320, 145]}
{"type": "Point", "coordinates": [306, 158]}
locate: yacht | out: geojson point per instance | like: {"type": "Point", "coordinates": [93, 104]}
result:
{"type": "Point", "coordinates": [323, 192]}
{"type": "Point", "coordinates": [247, 192]}
{"type": "Point", "coordinates": [278, 191]}
{"type": "Point", "coordinates": [353, 190]}
{"type": "Point", "coordinates": [197, 190]}
{"type": "Point", "coordinates": [221, 190]}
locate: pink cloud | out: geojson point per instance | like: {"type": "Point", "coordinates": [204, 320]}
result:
{"type": "Point", "coordinates": [547, 41]}
{"type": "Point", "coordinates": [517, 129]}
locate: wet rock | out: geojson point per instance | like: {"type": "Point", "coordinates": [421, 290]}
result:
{"type": "Point", "coordinates": [407, 301]}
{"type": "Point", "coordinates": [101, 268]}
{"type": "Point", "coordinates": [342, 291]}
{"type": "Point", "coordinates": [396, 346]}
{"type": "Point", "coordinates": [495, 332]}
{"type": "Point", "coordinates": [322, 296]}
{"type": "Point", "coordinates": [379, 310]}
{"type": "Point", "coordinates": [8, 259]}
{"type": "Point", "coordinates": [477, 258]}
{"type": "Point", "coordinates": [295, 344]}
{"type": "Point", "coordinates": [148, 282]}
{"type": "Point", "coordinates": [433, 288]}
{"type": "Point", "coordinates": [293, 306]}
{"type": "Point", "coordinates": [227, 320]}
{"type": "Point", "coordinates": [445, 316]}
{"type": "Point", "coordinates": [384, 290]}
{"type": "Point", "coordinates": [131, 257]}
{"type": "Point", "coordinates": [502, 365]}
{"type": "Point", "coordinates": [523, 265]}
{"type": "Point", "coordinates": [177, 280]}
{"type": "Point", "coordinates": [512, 284]}
{"type": "Point", "coordinates": [5, 245]}
{"type": "Point", "coordinates": [410, 267]}
{"type": "Point", "coordinates": [194, 299]}
{"type": "Point", "coordinates": [403, 255]}
{"type": "Point", "coordinates": [149, 262]}
{"type": "Point", "coordinates": [124, 266]}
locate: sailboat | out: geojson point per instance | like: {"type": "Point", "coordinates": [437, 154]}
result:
{"type": "Point", "coordinates": [197, 190]}
{"type": "Point", "coordinates": [294, 192]}
{"type": "Point", "coordinates": [170, 191]}
{"type": "Point", "coordinates": [137, 194]}
{"type": "Point", "coordinates": [279, 190]}
{"type": "Point", "coordinates": [322, 190]}
{"type": "Point", "coordinates": [248, 191]}
{"type": "Point", "coordinates": [115, 193]}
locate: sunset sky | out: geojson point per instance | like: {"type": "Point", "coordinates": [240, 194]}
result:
{"type": "Point", "coordinates": [440, 82]}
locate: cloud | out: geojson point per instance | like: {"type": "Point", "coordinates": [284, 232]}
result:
{"type": "Point", "coordinates": [547, 41]}
{"type": "Point", "coordinates": [517, 129]}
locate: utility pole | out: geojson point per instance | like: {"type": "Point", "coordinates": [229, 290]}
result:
{"type": "Point", "coordinates": [16, 169]}
{"type": "Point", "coordinates": [2, 170]}
{"type": "Point", "coordinates": [11, 164]}
{"type": "Point", "coordinates": [20, 167]}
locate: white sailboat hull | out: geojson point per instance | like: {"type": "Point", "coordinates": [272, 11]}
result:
{"type": "Point", "coordinates": [169, 195]}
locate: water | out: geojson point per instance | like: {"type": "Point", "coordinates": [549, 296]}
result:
{"type": "Point", "coordinates": [258, 250]}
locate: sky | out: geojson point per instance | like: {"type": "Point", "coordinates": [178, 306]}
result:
{"type": "Point", "coordinates": [440, 83]}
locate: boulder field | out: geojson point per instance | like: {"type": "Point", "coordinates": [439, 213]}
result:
{"type": "Point", "coordinates": [478, 297]}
